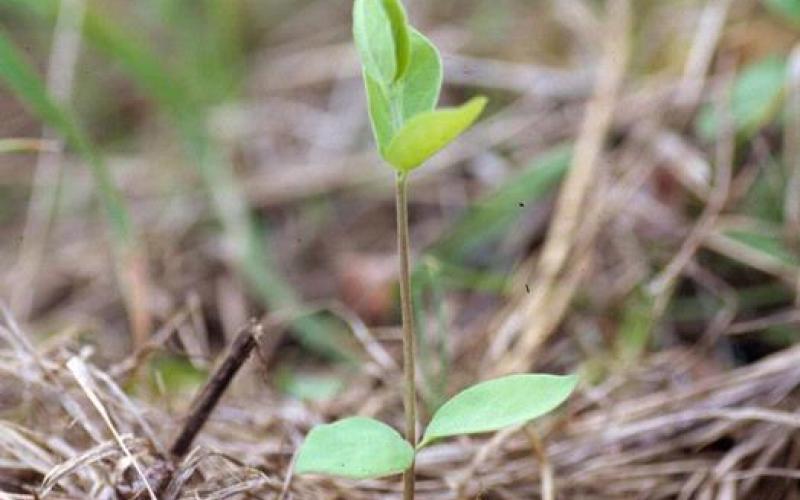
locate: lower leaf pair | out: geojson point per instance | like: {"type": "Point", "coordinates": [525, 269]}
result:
{"type": "Point", "coordinates": [364, 448]}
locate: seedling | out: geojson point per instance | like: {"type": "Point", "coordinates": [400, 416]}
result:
{"type": "Point", "coordinates": [403, 76]}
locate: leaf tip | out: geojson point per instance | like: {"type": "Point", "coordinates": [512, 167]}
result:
{"type": "Point", "coordinates": [479, 101]}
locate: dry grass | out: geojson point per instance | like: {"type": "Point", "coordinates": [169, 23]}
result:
{"type": "Point", "coordinates": [671, 428]}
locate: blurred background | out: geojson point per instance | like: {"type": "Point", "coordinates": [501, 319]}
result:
{"type": "Point", "coordinates": [627, 208]}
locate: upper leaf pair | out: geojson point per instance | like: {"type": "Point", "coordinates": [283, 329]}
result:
{"type": "Point", "coordinates": [403, 77]}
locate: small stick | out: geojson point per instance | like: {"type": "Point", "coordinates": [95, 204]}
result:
{"type": "Point", "coordinates": [205, 401]}
{"type": "Point", "coordinates": [792, 159]}
{"type": "Point", "coordinates": [547, 476]}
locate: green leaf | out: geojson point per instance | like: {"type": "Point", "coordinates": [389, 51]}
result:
{"type": "Point", "coordinates": [380, 31]}
{"type": "Point", "coordinates": [179, 376]}
{"type": "Point", "coordinates": [636, 328]}
{"type": "Point", "coordinates": [400, 34]}
{"type": "Point", "coordinates": [499, 403]}
{"type": "Point", "coordinates": [428, 133]}
{"type": "Point", "coordinates": [755, 100]}
{"type": "Point", "coordinates": [308, 387]}
{"type": "Point", "coordinates": [764, 241]}
{"type": "Point", "coordinates": [492, 216]}
{"type": "Point", "coordinates": [355, 448]}
{"type": "Point", "coordinates": [765, 199]}
{"type": "Point", "coordinates": [380, 113]}
{"type": "Point", "coordinates": [789, 9]}
{"type": "Point", "coordinates": [419, 89]}
{"type": "Point", "coordinates": [415, 93]}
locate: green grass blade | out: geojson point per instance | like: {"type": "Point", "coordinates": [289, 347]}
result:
{"type": "Point", "coordinates": [756, 99]}
{"type": "Point", "coordinates": [29, 88]}
{"type": "Point", "coordinates": [229, 203]}
{"type": "Point", "coordinates": [129, 258]}
{"type": "Point", "coordinates": [636, 327]}
{"type": "Point", "coordinates": [490, 217]}
{"type": "Point", "coordinates": [786, 9]}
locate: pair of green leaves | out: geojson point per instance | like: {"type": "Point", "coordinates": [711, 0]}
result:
{"type": "Point", "coordinates": [403, 77]}
{"type": "Point", "coordinates": [363, 448]}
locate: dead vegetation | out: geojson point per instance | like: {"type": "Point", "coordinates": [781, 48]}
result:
{"type": "Point", "coordinates": [648, 263]}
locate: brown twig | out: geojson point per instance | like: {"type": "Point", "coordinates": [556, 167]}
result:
{"type": "Point", "coordinates": [546, 468]}
{"type": "Point", "coordinates": [209, 396]}
{"type": "Point", "coordinates": [792, 158]}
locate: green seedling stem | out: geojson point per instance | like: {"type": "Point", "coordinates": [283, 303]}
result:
{"type": "Point", "coordinates": [409, 336]}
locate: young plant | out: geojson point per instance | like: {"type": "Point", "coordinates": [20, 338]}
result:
{"type": "Point", "coordinates": [403, 76]}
